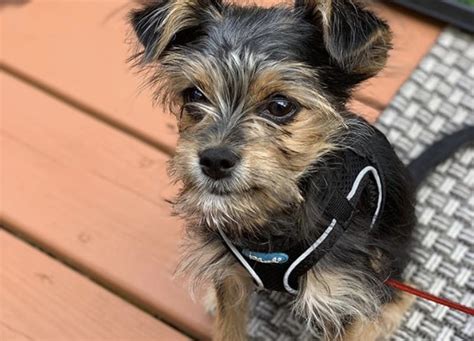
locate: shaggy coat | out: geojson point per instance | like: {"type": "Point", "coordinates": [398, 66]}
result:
{"type": "Point", "coordinates": [229, 73]}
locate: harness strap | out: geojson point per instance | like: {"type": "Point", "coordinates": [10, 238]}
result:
{"type": "Point", "coordinates": [283, 276]}
{"type": "Point", "coordinates": [241, 259]}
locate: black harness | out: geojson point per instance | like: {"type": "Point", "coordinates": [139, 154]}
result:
{"type": "Point", "coordinates": [350, 171]}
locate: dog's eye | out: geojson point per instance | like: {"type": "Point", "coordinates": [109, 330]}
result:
{"type": "Point", "coordinates": [192, 99]}
{"type": "Point", "coordinates": [192, 95]}
{"type": "Point", "coordinates": [280, 108]}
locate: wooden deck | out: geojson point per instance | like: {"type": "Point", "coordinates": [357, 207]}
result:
{"type": "Point", "coordinates": [88, 245]}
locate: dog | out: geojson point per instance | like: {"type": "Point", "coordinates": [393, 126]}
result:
{"type": "Point", "coordinates": [282, 187]}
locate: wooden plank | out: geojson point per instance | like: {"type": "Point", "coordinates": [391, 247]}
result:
{"type": "Point", "coordinates": [78, 50]}
{"type": "Point", "coordinates": [81, 57]}
{"type": "Point", "coordinates": [41, 299]}
{"type": "Point", "coordinates": [369, 113]}
{"type": "Point", "coordinates": [413, 36]}
{"type": "Point", "coordinates": [95, 197]}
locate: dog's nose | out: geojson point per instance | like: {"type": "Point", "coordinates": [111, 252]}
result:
{"type": "Point", "coordinates": [218, 162]}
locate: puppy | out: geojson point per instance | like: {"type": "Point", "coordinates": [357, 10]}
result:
{"type": "Point", "coordinates": [282, 187]}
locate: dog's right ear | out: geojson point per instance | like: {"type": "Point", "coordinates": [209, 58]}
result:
{"type": "Point", "coordinates": [355, 38]}
{"type": "Point", "coordinates": [163, 24]}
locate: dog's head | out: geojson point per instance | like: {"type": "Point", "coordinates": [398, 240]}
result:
{"type": "Point", "coordinates": [258, 94]}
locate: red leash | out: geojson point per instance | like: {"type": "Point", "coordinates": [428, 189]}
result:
{"type": "Point", "coordinates": [401, 286]}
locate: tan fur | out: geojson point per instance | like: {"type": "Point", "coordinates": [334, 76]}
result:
{"type": "Point", "coordinates": [204, 263]}
{"type": "Point", "coordinates": [384, 325]}
{"type": "Point", "coordinates": [210, 301]}
{"type": "Point", "coordinates": [329, 296]}
{"type": "Point", "coordinates": [181, 14]}
{"type": "Point", "coordinates": [229, 286]}
{"type": "Point", "coordinates": [375, 58]}
{"type": "Point", "coordinates": [368, 58]}
{"type": "Point", "coordinates": [325, 298]}
{"type": "Point", "coordinates": [262, 153]}
{"type": "Point", "coordinates": [325, 7]}
{"type": "Point", "coordinates": [232, 309]}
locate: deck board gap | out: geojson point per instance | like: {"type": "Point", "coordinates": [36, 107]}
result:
{"type": "Point", "coordinates": [36, 244]}
{"type": "Point", "coordinates": [84, 108]}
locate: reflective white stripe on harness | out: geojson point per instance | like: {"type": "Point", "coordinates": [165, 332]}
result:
{"type": "Point", "coordinates": [242, 260]}
{"type": "Point", "coordinates": [328, 230]}
{"type": "Point", "coordinates": [314, 246]}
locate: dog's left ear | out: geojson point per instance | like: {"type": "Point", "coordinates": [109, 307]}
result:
{"type": "Point", "coordinates": [163, 24]}
{"type": "Point", "coordinates": [355, 38]}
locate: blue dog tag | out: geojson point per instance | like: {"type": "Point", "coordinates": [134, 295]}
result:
{"type": "Point", "coordinates": [262, 257]}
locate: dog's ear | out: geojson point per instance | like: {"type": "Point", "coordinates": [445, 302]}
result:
{"type": "Point", "coordinates": [163, 24]}
{"type": "Point", "coordinates": [355, 38]}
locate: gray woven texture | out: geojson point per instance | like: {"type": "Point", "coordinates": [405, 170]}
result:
{"type": "Point", "coordinates": [436, 100]}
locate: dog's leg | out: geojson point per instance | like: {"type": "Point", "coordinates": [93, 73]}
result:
{"type": "Point", "coordinates": [232, 308]}
{"type": "Point", "coordinates": [381, 328]}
